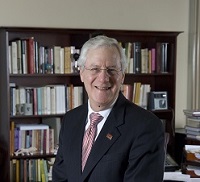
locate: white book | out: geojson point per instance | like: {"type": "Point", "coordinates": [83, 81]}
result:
{"type": "Point", "coordinates": [14, 57]}
{"type": "Point", "coordinates": [60, 99]}
{"type": "Point", "coordinates": [10, 59]}
{"type": "Point", "coordinates": [44, 100]}
{"type": "Point", "coordinates": [48, 100]}
{"type": "Point", "coordinates": [78, 96]}
{"type": "Point", "coordinates": [62, 61]}
{"type": "Point", "coordinates": [53, 99]}
{"type": "Point", "coordinates": [131, 66]}
{"type": "Point", "coordinates": [39, 100]}
{"type": "Point", "coordinates": [22, 95]}
{"type": "Point", "coordinates": [32, 126]}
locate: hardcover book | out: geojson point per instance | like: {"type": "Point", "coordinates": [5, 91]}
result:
{"type": "Point", "coordinates": [136, 57]}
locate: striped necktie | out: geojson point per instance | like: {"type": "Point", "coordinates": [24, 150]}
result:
{"type": "Point", "coordinates": [89, 136]}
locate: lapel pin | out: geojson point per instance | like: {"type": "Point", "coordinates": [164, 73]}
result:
{"type": "Point", "coordinates": [109, 136]}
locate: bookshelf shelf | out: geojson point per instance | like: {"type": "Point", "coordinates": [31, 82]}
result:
{"type": "Point", "coordinates": [51, 37]}
{"type": "Point", "coordinates": [35, 156]}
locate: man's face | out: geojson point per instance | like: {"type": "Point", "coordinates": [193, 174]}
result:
{"type": "Point", "coordinates": [102, 85]}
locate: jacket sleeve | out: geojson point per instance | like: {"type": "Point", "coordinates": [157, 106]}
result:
{"type": "Point", "coordinates": [59, 170]}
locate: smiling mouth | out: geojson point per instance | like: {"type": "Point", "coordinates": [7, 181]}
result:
{"type": "Point", "coordinates": [102, 88]}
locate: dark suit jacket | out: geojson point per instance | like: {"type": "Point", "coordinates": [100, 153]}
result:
{"type": "Point", "coordinates": [129, 148]}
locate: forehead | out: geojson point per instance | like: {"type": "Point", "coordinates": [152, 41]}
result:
{"type": "Point", "coordinates": [103, 55]}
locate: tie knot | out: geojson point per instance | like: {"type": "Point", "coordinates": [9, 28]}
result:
{"type": "Point", "coordinates": [95, 118]}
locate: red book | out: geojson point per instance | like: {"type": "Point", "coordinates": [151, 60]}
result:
{"type": "Point", "coordinates": [30, 55]}
{"type": "Point", "coordinates": [128, 91]}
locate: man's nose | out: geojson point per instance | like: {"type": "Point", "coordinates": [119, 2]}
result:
{"type": "Point", "coordinates": [104, 74]}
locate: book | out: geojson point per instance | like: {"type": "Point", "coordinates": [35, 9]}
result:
{"type": "Point", "coordinates": [19, 56]}
{"type": "Point", "coordinates": [30, 55]}
{"type": "Point", "coordinates": [78, 96]}
{"type": "Point", "coordinates": [14, 57]}
{"type": "Point", "coordinates": [136, 57]}
{"type": "Point", "coordinates": [128, 48]}
{"type": "Point", "coordinates": [127, 91]}
{"type": "Point", "coordinates": [67, 59]}
{"type": "Point", "coordinates": [32, 126]}
{"type": "Point", "coordinates": [164, 47]}
{"type": "Point", "coordinates": [24, 56]}
{"type": "Point", "coordinates": [191, 112]}
{"type": "Point", "coordinates": [195, 133]}
{"type": "Point", "coordinates": [189, 128]}
{"type": "Point", "coordinates": [193, 122]}
{"type": "Point", "coordinates": [54, 123]}
{"type": "Point", "coordinates": [144, 60]}
{"type": "Point", "coordinates": [153, 60]}
{"type": "Point", "coordinates": [56, 52]}
{"type": "Point", "coordinates": [158, 57]}
{"type": "Point", "coordinates": [137, 93]}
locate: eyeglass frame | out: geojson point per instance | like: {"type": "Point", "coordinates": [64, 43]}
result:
{"type": "Point", "coordinates": [100, 69]}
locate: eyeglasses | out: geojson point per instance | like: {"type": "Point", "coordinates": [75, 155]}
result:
{"type": "Point", "coordinates": [96, 71]}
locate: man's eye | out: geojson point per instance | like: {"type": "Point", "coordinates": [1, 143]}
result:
{"type": "Point", "coordinates": [111, 71]}
{"type": "Point", "coordinates": [94, 69]}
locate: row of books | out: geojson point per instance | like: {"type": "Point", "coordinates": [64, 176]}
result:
{"type": "Point", "coordinates": [147, 60]}
{"type": "Point", "coordinates": [137, 93]}
{"type": "Point", "coordinates": [42, 138]}
{"type": "Point", "coordinates": [50, 99]}
{"type": "Point", "coordinates": [192, 126]}
{"type": "Point", "coordinates": [27, 56]}
{"type": "Point", "coordinates": [30, 170]}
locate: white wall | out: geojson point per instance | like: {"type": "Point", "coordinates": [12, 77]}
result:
{"type": "Point", "coordinates": [166, 15]}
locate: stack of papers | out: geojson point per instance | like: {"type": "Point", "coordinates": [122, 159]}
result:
{"type": "Point", "coordinates": [177, 176]}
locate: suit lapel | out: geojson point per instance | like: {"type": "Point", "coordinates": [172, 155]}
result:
{"type": "Point", "coordinates": [108, 135]}
{"type": "Point", "coordinates": [77, 133]}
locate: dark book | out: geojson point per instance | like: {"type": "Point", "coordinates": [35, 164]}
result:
{"type": "Point", "coordinates": [136, 57]}
{"type": "Point", "coordinates": [158, 57]}
{"type": "Point", "coordinates": [164, 58]}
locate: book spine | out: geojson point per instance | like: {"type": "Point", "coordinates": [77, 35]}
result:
{"type": "Point", "coordinates": [31, 55]}
{"type": "Point", "coordinates": [14, 57]}
{"type": "Point", "coordinates": [137, 57]}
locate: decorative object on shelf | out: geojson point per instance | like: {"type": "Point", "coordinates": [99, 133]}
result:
{"type": "Point", "coordinates": [25, 151]}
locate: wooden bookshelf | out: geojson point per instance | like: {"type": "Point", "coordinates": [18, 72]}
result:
{"type": "Point", "coordinates": [76, 37]}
